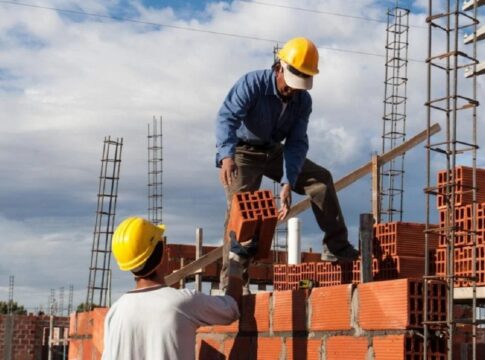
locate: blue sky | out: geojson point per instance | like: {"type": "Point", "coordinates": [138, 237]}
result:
{"type": "Point", "coordinates": [68, 80]}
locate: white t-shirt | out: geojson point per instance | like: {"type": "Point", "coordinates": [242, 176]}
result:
{"type": "Point", "coordinates": [160, 323]}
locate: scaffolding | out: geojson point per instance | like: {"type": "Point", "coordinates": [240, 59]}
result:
{"type": "Point", "coordinates": [394, 117]}
{"type": "Point", "coordinates": [70, 301]}
{"type": "Point", "coordinates": [155, 172]}
{"type": "Point", "coordinates": [451, 99]}
{"type": "Point", "coordinates": [10, 294]}
{"type": "Point", "coordinates": [99, 270]}
{"type": "Point", "coordinates": [61, 301]}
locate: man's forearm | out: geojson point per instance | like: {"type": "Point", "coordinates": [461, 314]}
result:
{"type": "Point", "coordinates": [234, 288]}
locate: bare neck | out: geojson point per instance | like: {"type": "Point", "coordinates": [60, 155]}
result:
{"type": "Point", "coordinates": [142, 283]}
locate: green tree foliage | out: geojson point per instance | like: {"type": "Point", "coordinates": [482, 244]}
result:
{"type": "Point", "coordinates": [15, 308]}
{"type": "Point", "coordinates": [84, 307]}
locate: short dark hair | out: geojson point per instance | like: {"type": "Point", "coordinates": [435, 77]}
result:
{"type": "Point", "coordinates": [275, 65]}
{"type": "Point", "coordinates": [151, 264]}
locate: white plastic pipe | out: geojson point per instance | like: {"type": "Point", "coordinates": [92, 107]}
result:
{"type": "Point", "coordinates": [294, 243]}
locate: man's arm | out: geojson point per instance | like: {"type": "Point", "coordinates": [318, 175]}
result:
{"type": "Point", "coordinates": [233, 111]}
{"type": "Point", "coordinates": [240, 255]}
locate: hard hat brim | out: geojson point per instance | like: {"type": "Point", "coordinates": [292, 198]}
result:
{"type": "Point", "coordinates": [294, 81]}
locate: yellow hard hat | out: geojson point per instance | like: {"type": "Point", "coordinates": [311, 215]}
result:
{"type": "Point", "coordinates": [301, 54]}
{"type": "Point", "coordinates": [134, 241]}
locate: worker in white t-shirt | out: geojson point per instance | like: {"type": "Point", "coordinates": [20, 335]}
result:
{"type": "Point", "coordinates": [154, 321]}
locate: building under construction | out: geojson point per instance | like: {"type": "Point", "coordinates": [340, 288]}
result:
{"type": "Point", "coordinates": [417, 290]}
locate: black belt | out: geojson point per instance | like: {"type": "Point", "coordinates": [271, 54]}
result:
{"type": "Point", "coordinates": [266, 146]}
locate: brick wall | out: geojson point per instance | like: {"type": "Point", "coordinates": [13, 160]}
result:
{"type": "Point", "coordinates": [26, 336]}
{"type": "Point", "coordinates": [372, 321]}
{"type": "Point", "coordinates": [86, 331]}
{"type": "Point", "coordinates": [376, 320]}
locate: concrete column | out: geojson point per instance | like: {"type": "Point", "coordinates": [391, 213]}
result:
{"type": "Point", "coordinates": [294, 241]}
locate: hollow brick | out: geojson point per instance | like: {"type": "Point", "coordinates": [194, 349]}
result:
{"type": "Point", "coordinates": [346, 348]}
{"type": "Point", "coordinates": [289, 310]}
{"type": "Point", "coordinates": [268, 348]}
{"type": "Point", "coordinates": [330, 308]}
{"type": "Point", "coordinates": [302, 348]}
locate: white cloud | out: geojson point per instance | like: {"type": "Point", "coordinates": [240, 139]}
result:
{"type": "Point", "coordinates": [67, 81]}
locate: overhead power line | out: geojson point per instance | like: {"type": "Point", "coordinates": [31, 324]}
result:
{"type": "Point", "coordinates": [177, 27]}
{"type": "Point", "coordinates": [314, 11]}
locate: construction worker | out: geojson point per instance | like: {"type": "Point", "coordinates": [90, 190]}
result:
{"type": "Point", "coordinates": [261, 129]}
{"type": "Point", "coordinates": [154, 321]}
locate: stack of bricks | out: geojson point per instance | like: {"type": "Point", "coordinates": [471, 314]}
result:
{"type": "Point", "coordinates": [26, 336]}
{"type": "Point", "coordinates": [398, 252]}
{"type": "Point", "coordinates": [376, 320]}
{"type": "Point", "coordinates": [260, 271]}
{"type": "Point", "coordinates": [86, 334]}
{"type": "Point", "coordinates": [461, 220]}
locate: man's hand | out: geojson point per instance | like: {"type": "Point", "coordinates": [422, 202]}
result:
{"type": "Point", "coordinates": [228, 171]}
{"type": "Point", "coordinates": [243, 250]}
{"type": "Point", "coordinates": [285, 199]}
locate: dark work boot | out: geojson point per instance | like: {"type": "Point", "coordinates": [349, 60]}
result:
{"type": "Point", "coordinates": [346, 253]}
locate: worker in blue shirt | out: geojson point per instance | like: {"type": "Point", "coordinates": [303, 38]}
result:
{"type": "Point", "coordinates": [261, 130]}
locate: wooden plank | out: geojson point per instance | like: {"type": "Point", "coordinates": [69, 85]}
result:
{"type": "Point", "coordinates": [194, 266]}
{"type": "Point", "coordinates": [355, 175]}
{"type": "Point", "coordinates": [376, 188]}
{"type": "Point", "coordinates": [367, 168]}
{"type": "Point", "coordinates": [198, 252]}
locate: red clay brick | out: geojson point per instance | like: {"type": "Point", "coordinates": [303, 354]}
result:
{"type": "Point", "coordinates": [280, 277]}
{"type": "Point", "coordinates": [289, 310]}
{"type": "Point", "coordinates": [269, 348]}
{"type": "Point", "coordinates": [408, 346]}
{"type": "Point", "coordinates": [222, 329]}
{"type": "Point", "coordinates": [402, 239]}
{"type": "Point", "coordinates": [384, 305]}
{"type": "Point", "coordinates": [301, 348]}
{"type": "Point", "coordinates": [390, 347]}
{"type": "Point", "coordinates": [329, 274]}
{"type": "Point", "coordinates": [398, 304]}
{"type": "Point", "coordinates": [254, 213]}
{"type": "Point", "coordinates": [346, 348]}
{"type": "Point", "coordinates": [84, 324]}
{"type": "Point", "coordinates": [98, 316]}
{"type": "Point", "coordinates": [463, 180]}
{"type": "Point", "coordinates": [330, 308]}
{"type": "Point", "coordinates": [399, 267]}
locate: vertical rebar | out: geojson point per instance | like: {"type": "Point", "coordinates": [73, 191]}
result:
{"type": "Point", "coordinates": [394, 114]}
{"type": "Point", "coordinates": [71, 296]}
{"type": "Point", "coordinates": [155, 172]}
{"type": "Point", "coordinates": [61, 301]}
{"type": "Point", "coordinates": [449, 20]}
{"type": "Point", "coordinates": [10, 295]}
{"type": "Point", "coordinates": [104, 224]}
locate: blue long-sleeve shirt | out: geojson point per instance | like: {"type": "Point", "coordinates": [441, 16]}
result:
{"type": "Point", "coordinates": [251, 112]}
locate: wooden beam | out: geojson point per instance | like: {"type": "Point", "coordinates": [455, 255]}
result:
{"type": "Point", "coordinates": [194, 266]}
{"type": "Point", "coordinates": [376, 188]}
{"type": "Point", "coordinates": [355, 175]}
{"type": "Point", "coordinates": [367, 168]}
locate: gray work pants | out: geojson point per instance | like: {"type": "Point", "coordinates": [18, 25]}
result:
{"type": "Point", "coordinates": [314, 181]}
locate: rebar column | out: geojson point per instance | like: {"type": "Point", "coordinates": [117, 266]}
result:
{"type": "Point", "coordinates": [155, 172]}
{"type": "Point", "coordinates": [451, 101]}
{"type": "Point", "coordinates": [98, 284]}
{"type": "Point", "coordinates": [394, 117]}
